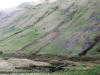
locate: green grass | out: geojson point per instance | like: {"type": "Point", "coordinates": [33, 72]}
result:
{"type": "Point", "coordinates": [94, 71]}
{"type": "Point", "coordinates": [17, 41]}
{"type": "Point", "coordinates": [34, 24]}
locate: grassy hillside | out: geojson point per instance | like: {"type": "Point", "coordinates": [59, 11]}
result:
{"type": "Point", "coordinates": [58, 38]}
{"type": "Point", "coordinates": [65, 27]}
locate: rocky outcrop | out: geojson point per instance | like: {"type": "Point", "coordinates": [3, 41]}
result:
{"type": "Point", "coordinates": [17, 62]}
{"type": "Point", "coordinates": [6, 66]}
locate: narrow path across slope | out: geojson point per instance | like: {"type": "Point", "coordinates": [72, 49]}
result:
{"type": "Point", "coordinates": [54, 34]}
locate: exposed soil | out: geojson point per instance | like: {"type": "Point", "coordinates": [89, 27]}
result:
{"type": "Point", "coordinates": [83, 59]}
{"type": "Point", "coordinates": [52, 58]}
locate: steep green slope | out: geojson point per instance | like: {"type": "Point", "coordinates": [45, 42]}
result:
{"type": "Point", "coordinates": [65, 27]}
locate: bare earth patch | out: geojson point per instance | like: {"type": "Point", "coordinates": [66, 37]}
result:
{"type": "Point", "coordinates": [5, 66]}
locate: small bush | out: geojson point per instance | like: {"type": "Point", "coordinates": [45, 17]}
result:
{"type": "Point", "coordinates": [1, 52]}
